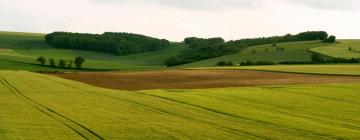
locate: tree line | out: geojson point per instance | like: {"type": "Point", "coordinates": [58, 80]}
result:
{"type": "Point", "coordinates": [108, 42]}
{"type": "Point", "coordinates": [315, 59]}
{"type": "Point", "coordinates": [78, 61]}
{"type": "Point", "coordinates": [200, 48]}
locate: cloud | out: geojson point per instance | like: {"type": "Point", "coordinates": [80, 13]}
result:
{"type": "Point", "coordinates": [197, 4]}
{"type": "Point", "coordinates": [330, 4]}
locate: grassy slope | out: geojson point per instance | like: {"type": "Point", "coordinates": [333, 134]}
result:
{"type": "Point", "coordinates": [335, 69]}
{"type": "Point", "coordinates": [287, 112]}
{"type": "Point", "coordinates": [340, 49]}
{"type": "Point", "coordinates": [296, 51]}
{"type": "Point", "coordinates": [26, 47]}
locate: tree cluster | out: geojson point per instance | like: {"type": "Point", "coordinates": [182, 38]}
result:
{"type": "Point", "coordinates": [200, 48]}
{"type": "Point", "coordinates": [224, 63]}
{"type": "Point", "coordinates": [109, 42]}
{"type": "Point", "coordinates": [78, 61]}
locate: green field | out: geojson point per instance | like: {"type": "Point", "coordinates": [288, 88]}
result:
{"type": "Point", "coordinates": [341, 49]}
{"type": "Point", "coordinates": [294, 51]}
{"type": "Point", "coordinates": [62, 109]}
{"type": "Point", "coordinates": [26, 47]}
{"type": "Point", "coordinates": [334, 69]}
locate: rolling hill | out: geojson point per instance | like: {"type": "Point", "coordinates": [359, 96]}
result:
{"type": "Point", "coordinates": [24, 48]}
{"type": "Point", "coordinates": [341, 49]}
{"type": "Point", "coordinates": [293, 51]}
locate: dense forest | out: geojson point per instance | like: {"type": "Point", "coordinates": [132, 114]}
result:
{"type": "Point", "coordinates": [200, 48]}
{"type": "Point", "coordinates": [109, 42]}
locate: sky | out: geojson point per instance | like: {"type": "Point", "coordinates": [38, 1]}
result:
{"type": "Point", "coordinates": [177, 19]}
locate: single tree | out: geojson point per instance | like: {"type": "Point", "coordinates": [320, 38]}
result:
{"type": "Point", "coordinates": [41, 60]}
{"type": "Point", "coordinates": [62, 63]}
{"type": "Point", "coordinates": [79, 61]}
{"type": "Point", "coordinates": [253, 51]}
{"type": "Point", "coordinates": [52, 62]}
{"type": "Point", "coordinates": [350, 49]}
{"type": "Point", "coordinates": [172, 61]}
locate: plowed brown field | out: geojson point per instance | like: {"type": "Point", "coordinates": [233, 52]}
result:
{"type": "Point", "coordinates": [190, 79]}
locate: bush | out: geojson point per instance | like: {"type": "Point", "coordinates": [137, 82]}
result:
{"type": "Point", "coordinates": [172, 61]}
{"type": "Point", "coordinates": [256, 63]}
{"type": "Point", "coordinates": [79, 61]}
{"type": "Point", "coordinates": [224, 63]}
{"type": "Point", "coordinates": [331, 39]}
{"type": "Point", "coordinates": [62, 63]}
{"type": "Point", "coordinates": [41, 60]}
{"type": "Point", "coordinates": [221, 63]}
{"type": "Point", "coordinates": [52, 62]}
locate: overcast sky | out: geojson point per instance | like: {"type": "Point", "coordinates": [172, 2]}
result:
{"type": "Point", "coordinates": [177, 19]}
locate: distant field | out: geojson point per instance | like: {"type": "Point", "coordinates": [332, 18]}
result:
{"type": "Point", "coordinates": [35, 106]}
{"type": "Point", "coordinates": [338, 69]}
{"type": "Point", "coordinates": [26, 47]}
{"type": "Point", "coordinates": [294, 51]}
{"type": "Point", "coordinates": [199, 79]}
{"type": "Point", "coordinates": [341, 49]}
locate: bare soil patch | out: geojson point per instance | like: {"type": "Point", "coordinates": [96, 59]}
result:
{"type": "Point", "coordinates": [190, 79]}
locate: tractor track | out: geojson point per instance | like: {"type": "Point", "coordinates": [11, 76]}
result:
{"type": "Point", "coordinates": [78, 128]}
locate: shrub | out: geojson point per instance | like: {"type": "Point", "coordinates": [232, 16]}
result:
{"type": "Point", "coordinates": [250, 63]}
{"type": "Point", "coordinates": [172, 61]}
{"type": "Point", "coordinates": [330, 39]}
{"type": "Point", "coordinates": [41, 60]}
{"type": "Point", "coordinates": [52, 62]}
{"type": "Point", "coordinates": [221, 63]}
{"type": "Point", "coordinates": [62, 63]}
{"type": "Point", "coordinates": [79, 61]}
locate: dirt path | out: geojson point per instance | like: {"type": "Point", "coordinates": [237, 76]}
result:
{"type": "Point", "coordinates": [189, 79]}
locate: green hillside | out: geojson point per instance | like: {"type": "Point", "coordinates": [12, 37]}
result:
{"type": "Point", "coordinates": [63, 109]}
{"type": "Point", "coordinates": [341, 49]}
{"type": "Point", "coordinates": [293, 51]}
{"type": "Point", "coordinates": [26, 47]}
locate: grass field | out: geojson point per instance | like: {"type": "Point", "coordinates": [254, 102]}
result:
{"type": "Point", "coordinates": [26, 47]}
{"type": "Point", "coordinates": [336, 69]}
{"type": "Point", "coordinates": [341, 49]}
{"type": "Point", "coordinates": [35, 106]}
{"type": "Point", "coordinates": [294, 51]}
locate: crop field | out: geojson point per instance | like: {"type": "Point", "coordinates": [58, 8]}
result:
{"type": "Point", "coordinates": [335, 69]}
{"type": "Point", "coordinates": [26, 47]}
{"type": "Point", "coordinates": [198, 79]}
{"type": "Point", "coordinates": [293, 51]}
{"type": "Point", "coordinates": [341, 49]}
{"type": "Point", "coordinates": [35, 106]}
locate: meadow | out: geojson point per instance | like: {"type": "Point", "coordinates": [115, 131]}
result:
{"type": "Point", "coordinates": [293, 51]}
{"type": "Point", "coordinates": [55, 108]}
{"type": "Point", "coordinates": [341, 49]}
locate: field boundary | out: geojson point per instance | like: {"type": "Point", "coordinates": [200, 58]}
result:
{"type": "Point", "coordinates": [275, 71]}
